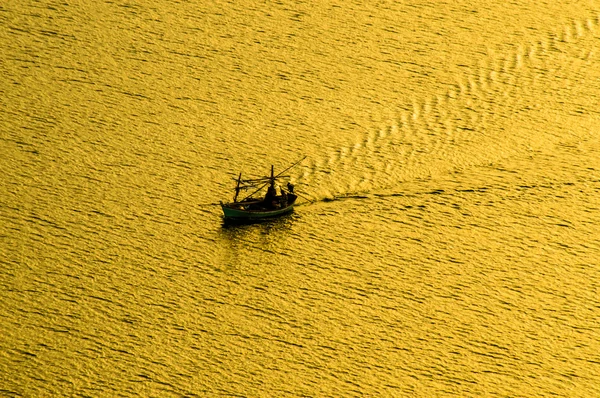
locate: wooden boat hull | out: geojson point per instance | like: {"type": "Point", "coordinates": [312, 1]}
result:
{"type": "Point", "coordinates": [253, 215]}
{"type": "Point", "coordinates": [240, 211]}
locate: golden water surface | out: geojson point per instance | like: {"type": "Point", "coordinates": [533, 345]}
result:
{"type": "Point", "coordinates": [447, 242]}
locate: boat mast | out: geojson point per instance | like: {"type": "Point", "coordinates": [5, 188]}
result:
{"type": "Point", "coordinates": [271, 179]}
{"type": "Point", "coordinates": [237, 188]}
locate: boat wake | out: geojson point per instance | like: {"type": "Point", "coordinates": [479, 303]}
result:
{"type": "Point", "coordinates": [484, 118]}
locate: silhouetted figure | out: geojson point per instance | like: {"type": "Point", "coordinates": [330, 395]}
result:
{"type": "Point", "coordinates": [270, 196]}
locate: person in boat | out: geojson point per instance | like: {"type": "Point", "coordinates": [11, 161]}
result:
{"type": "Point", "coordinates": [271, 192]}
{"type": "Point", "coordinates": [283, 196]}
{"type": "Point", "coordinates": [290, 187]}
{"type": "Point", "coordinates": [270, 196]}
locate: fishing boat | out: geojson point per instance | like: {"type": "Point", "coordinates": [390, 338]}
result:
{"type": "Point", "coordinates": [253, 208]}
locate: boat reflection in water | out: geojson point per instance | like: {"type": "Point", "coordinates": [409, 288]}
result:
{"type": "Point", "coordinates": [255, 209]}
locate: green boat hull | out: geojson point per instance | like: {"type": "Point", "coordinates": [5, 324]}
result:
{"type": "Point", "coordinates": [231, 213]}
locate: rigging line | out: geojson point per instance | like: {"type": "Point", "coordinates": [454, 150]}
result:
{"type": "Point", "coordinates": [273, 178]}
{"type": "Point", "coordinates": [262, 179]}
{"type": "Point", "coordinates": [278, 175]}
{"type": "Point", "coordinates": [261, 187]}
{"type": "Point", "coordinates": [305, 197]}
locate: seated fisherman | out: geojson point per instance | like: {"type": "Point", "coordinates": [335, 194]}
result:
{"type": "Point", "coordinates": [270, 196]}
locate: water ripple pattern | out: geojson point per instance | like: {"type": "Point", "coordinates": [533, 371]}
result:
{"type": "Point", "coordinates": [475, 122]}
{"type": "Point", "coordinates": [446, 244]}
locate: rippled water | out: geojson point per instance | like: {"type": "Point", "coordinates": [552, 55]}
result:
{"type": "Point", "coordinates": [448, 243]}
